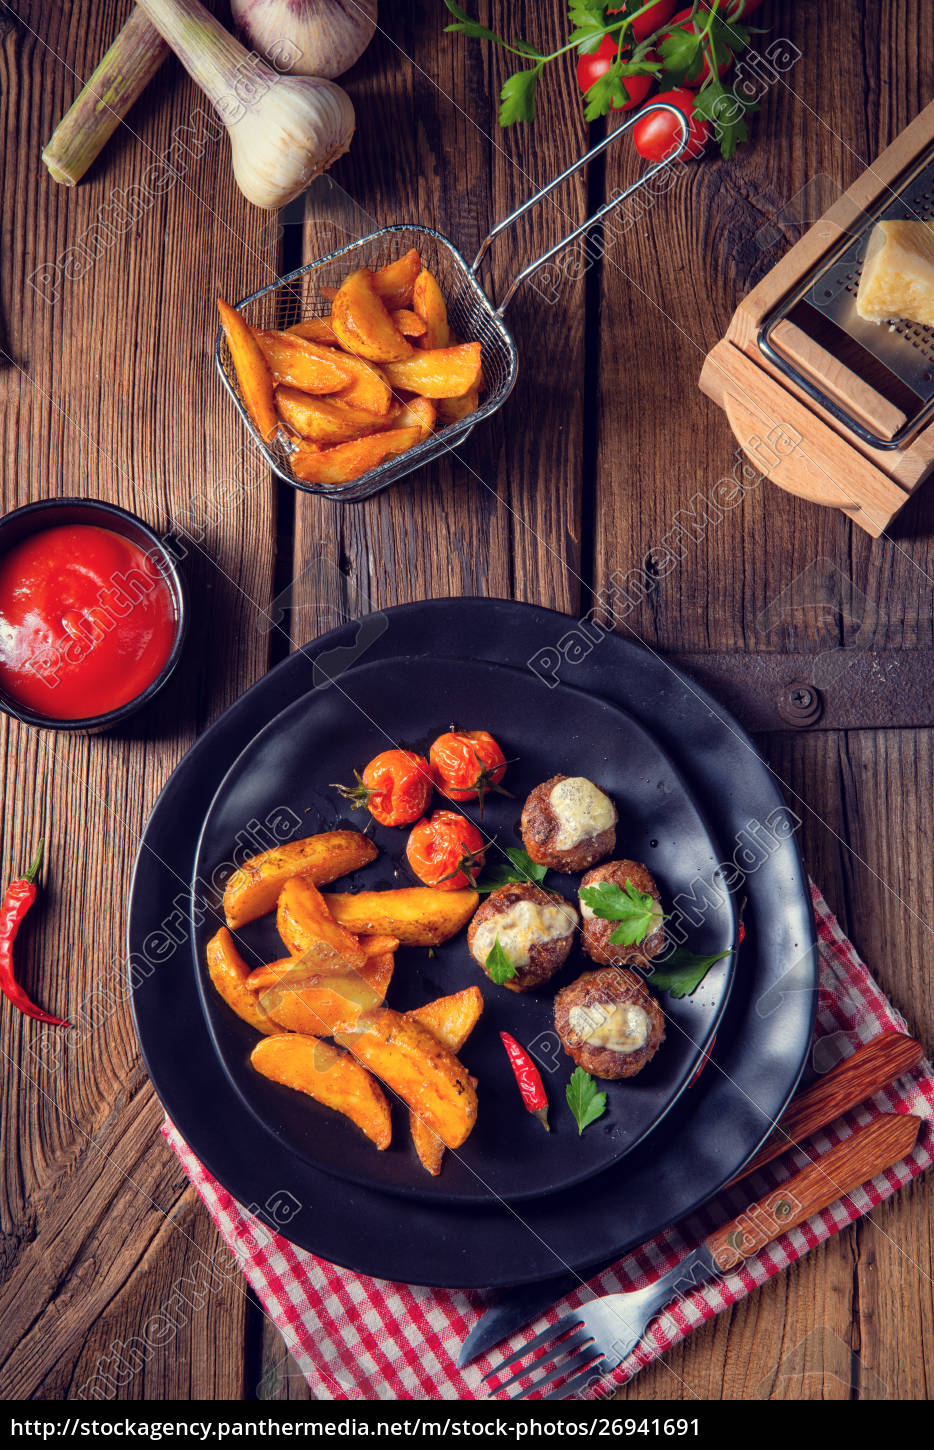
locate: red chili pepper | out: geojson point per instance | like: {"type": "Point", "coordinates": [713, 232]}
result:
{"type": "Point", "coordinates": [528, 1078]}
{"type": "Point", "coordinates": [17, 901]}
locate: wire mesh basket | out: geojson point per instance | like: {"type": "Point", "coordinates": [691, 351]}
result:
{"type": "Point", "coordinates": [297, 297]}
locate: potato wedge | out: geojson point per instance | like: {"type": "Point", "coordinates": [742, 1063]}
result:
{"type": "Point", "coordinates": [298, 969]}
{"type": "Point", "coordinates": [252, 371]}
{"type": "Point", "coordinates": [451, 410]}
{"type": "Point", "coordinates": [303, 920]}
{"type": "Point", "coordinates": [419, 1068]}
{"type": "Point", "coordinates": [362, 323]}
{"type": "Point", "coordinates": [418, 915]}
{"type": "Point", "coordinates": [229, 972]}
{"type": "Point", "coordinates": [324, 1005]}
{"type": "Point", "coordinates": [327, 420]}
{"type": "Point", "coordinates": [367, 389]}
{"type": "Point", "coordinates": [409, 323]}
{"type": "Point", "coordinates": [395, 282]}
{"type": "Point", "coordinates": [302, 364]}
{"type": "Point", "coordinates": [347, 461]}
{"type": "Point", "coordinates": [451, 1019]}
{"type": "Point", "coordinates": [330, 1077]}
{"type": "Point", "coordinates": [417, 412]}
{"type": "Point", "coordinates": [254, 887]}
{"type": "Point", "coordinates": [428, 304]}
{"type": "Point", "coordinates": [315, 329]}
{"type": "Point", "coordinates": [442, 372]}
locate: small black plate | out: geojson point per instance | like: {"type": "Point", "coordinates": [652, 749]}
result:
{"type": "Point", "coordinates": [543, 731]}
{"type": "Point", "coordinates": [752, 1071]}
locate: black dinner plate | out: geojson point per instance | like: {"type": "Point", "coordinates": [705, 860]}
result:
{"type": "Point", "coordinates": [544, 731]}
{"type": "Point", "coordinates": [753, 1069]}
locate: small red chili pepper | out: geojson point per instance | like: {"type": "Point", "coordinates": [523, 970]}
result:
{"type": "Point", "coordinates": [528, 1078]}
{"type": "Point", "coordinates": [17, 900]}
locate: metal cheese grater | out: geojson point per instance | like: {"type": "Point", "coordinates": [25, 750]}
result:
{"type": "Point", "coordinates": [472, 315]}
{"type": "Point", "coordinates": [857, 396]}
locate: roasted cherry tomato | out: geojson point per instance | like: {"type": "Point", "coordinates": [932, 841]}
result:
{"type": "Point", "coordinates": [683, 21]}
{"type": "Point", "coordinates": [467, 764]}
{"type": "Point", "coordinates": [395, 787]}
{"type": "Point", "coordinates": [446, 850]}
{"type": "Point", "coordinates": [658, 135]}
{"type": "Point", "coordinates": [591, 67]}
{"type": "Point", "coordinates": [650, 20]}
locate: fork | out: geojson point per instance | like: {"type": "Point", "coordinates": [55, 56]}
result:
{"type": "Point", "coordinates": [597, 1337]}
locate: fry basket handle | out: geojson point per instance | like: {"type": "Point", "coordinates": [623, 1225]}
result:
{"type": "Point", "coordinates": [598, 216]}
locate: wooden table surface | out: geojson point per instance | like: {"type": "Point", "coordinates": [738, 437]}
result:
{"type": "Point", "coordinates": [109, 390]}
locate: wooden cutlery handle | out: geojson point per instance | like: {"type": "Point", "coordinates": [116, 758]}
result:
{"type": "Point", "coordinates": [884, 1141]}
{"type": "Point", "coordinates": [863, 1073]}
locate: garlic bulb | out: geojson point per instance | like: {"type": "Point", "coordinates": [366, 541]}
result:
{"type": "Point", "coordinates": [283, 129]}
{"type": "Point", "coordinates": [306, 37]}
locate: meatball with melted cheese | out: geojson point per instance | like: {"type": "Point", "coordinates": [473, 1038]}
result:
{"type": "Point", "coordinates": [535, 928]}
{"type": "Point", "coordinates": [568, 823]}
{"type": "Point", "coordinates": [609, 1023]}
{"type": "Point", "coordinates": [596, 930]}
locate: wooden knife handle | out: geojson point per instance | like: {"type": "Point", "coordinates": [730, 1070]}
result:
{"type": "Point", "coordinates": [884, 1141]}
{"type": "Point", "coordinates": [863, 1073]}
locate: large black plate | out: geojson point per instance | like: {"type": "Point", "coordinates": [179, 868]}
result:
{"type": "Point", "coordinates": [755, 1065]}
{"type": "Point", "coordinates": [324, 737]}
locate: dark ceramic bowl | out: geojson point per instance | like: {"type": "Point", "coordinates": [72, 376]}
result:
{"type": "Point", "coordinates": [54, 512]}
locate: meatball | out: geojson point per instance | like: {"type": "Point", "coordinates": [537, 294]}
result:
{"type": "Point", "coordinates": [568, 823]}
{"type": "Point", "coordinates": [609, 1022]}
{"type": "Point", "coordinates": [535, 928]}
{"type": "Point", "coordinates": [596, 931]}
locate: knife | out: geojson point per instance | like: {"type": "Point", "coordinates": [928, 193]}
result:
{"type": "Point", "coordinates": [863, 1073]}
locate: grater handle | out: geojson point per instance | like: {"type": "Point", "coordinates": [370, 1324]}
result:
{"type": "Point", "coordinates": [598, 216]}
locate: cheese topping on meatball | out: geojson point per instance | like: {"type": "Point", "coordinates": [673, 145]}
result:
{"type": "Point", "coordinates": [621, 1028]}
{"type": "Point", "coordinates": [525, 925]}
{"type": "Point", "coordinates": [581, 810]}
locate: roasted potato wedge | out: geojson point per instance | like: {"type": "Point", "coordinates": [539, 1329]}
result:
{"type": "Point", "coordinates": [367, 389]}
{"type": "Point", "coordinates": [451, 410]}
{"type": "Point", "coordinates": [362, 323]}
{"type": "Point", "coordinates": [315, 329]}
{"type": "Point", "coordinates": [417, 412]}
{"type": "Point", "coordinates": [303, 920]}
{"type": "Point", "coordinates": [254, 887]}
{"type": "Point", "coordinates": [327, 420]}
{"type": "Point", "coordinates": [418, 915]}
{"type": "Point", "coordinates": [329, 1076]}
{"type": "Point", "coordinates": [324, 1005]}
{"type": "Point", "coordinates": [229, 972]}
{"type": "Point", "coordinates": [312, 963]}
{"type": "Point", "coordinates": [428, 304]}
{"type": "Point", "coordinates": [347, 461]}
{"type": "Point", "coordinates": [409, 323]}
{"type": "Point", "coordinates": [419, 1068]}
{"type": "Point", "coordinates": [442, 372]}
{"type": "Point", "coordinates": [451, 1019]}
{"type": "Point", "coordinates": [298, 363]}
{"type": "Point", "coordinates": [252, 371]}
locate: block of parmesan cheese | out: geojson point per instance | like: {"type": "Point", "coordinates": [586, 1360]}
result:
{"type": "Point", "coordinates": [897, 281]}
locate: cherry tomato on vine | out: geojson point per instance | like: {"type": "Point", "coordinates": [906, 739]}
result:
{"type": "Point", "coordinates": [591, 67]}
{"type": "Point", "coordinates": [467, 764]}
{"type": "Point", "coordinates": [446, 850]}
{"type": "Point", "coordinates": [682, 21]}
{"type": "Point", "coordinates": [652, 19]}
{"type": "Point", "coordinates": [395, 787]}
{"type": "Point", "coordinates": [658, 135]}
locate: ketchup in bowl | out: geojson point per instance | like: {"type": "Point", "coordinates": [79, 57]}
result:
{"type": "Point", "coordinates": [87, 621]}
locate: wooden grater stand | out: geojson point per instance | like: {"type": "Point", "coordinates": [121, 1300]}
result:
{"type": "Point", "coordinates": [767, 410]}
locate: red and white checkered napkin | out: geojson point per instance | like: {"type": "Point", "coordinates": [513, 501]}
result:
{"type": "Point", "coordinates": [359, 1338]}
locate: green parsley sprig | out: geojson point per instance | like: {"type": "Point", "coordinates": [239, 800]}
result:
{"type": "Point", "coordinates": [521, 868]}
{"type": "Point", "coordinates": [637, 912]}
{"type": "Point", "coordinates": [498, 967]}
{"type": "Point", "coordinates": [585, 1102]}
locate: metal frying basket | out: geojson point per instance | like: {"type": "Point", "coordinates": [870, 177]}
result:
{"type": "Point", "coordinates": [473, 316]}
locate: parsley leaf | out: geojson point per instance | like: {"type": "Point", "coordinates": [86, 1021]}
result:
{"type": "Point", "coordinates": [585, 1102]}
{"type": "Point", "coordinates": [499, 968]}
{"type": "Point", "coordinates": [517, 98]}
{"type": "Point", "coordinates": [466, 26]}
{"type": "Point", "coordinates": [521, 868]}
{"type": "Point", "coordinates": [726, 112]}
{"type": "Point", "coordinates": [636, 911]}
{"type": "Point", "coordinates": [682, 973]}
{"type": "Point", "coordinates": [589, 19]}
